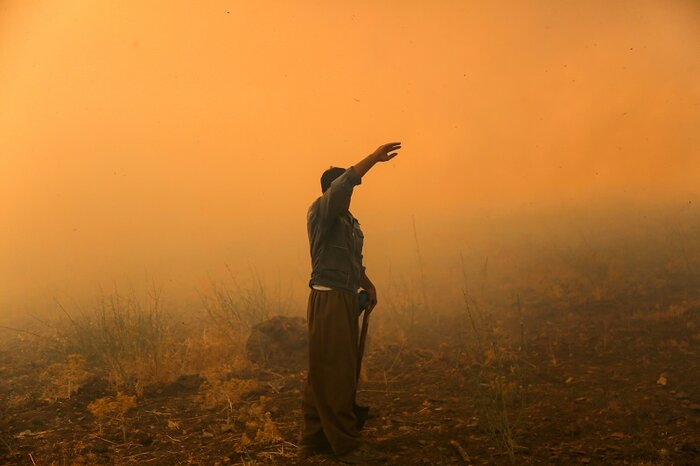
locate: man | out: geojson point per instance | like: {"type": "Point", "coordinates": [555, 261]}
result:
{"type": "Point", "coordinates": [336, 240]}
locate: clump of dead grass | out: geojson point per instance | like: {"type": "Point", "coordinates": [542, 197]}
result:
{"type": "Point", "coordinates": [259, 428]}
{"type": "Point", "coordinates": [112, 410]}
{"type": "Point", "coordinates": [61, 380]}
{"type": "Point", "coordinates": [131, 341]}
{"type": "Point", "coordinates": [498, 372]}
{"type": "Point", "coordinates": [235, 307]}
{"type": "Point", "coordinates": [222, 389]}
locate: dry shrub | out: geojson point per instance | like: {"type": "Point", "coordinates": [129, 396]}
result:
{"type": "Point", "coordinates": [498, 372]}
{"type": "Point", "coordinates": [220, 388]}
{"type": "Point", "coordinates": [112, 411]}
{"type": "Point", "coordinates": [499, 390]}
{"type": "Point", "coordinates": [61, 380]}
{"type": "Point", "coordinates": [260, 429]}
{"type": "Point", "coordinates": [135, 343]}
{"type": "Point", "coordinates": [131, 341]}
{"type": "Point", "coordinates": [208, 348]}
{"type": "Point", "coordinates": [235, 307]}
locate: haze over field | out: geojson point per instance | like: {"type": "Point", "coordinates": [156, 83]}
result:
{"type": "Point", "coordinates": [162, 140]}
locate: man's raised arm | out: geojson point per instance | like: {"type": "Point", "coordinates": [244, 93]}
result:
{"type": "Point", "coordinates": [336, 199]}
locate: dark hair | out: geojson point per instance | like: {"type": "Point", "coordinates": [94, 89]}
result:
{"type": "Point", "coordinates": [328, 177]}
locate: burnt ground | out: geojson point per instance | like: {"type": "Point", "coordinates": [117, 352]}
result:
{"type": "Point", "coordinates": [594, 386]}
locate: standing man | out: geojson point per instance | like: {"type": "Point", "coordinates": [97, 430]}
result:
{"type": "Point", "coordinates": [335, 238]}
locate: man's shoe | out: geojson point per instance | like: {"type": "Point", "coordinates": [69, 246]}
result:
{"type": "Point", "coordinates": [362, 454]}
{"type": "Point", "coordinates": [361, 414]}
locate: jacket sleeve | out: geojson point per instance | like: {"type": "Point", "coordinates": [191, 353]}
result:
{"type": "Point", "coordinates": [334, 201]}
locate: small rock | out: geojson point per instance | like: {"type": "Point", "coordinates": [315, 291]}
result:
{"type": "Point", "coordinates": [662, 380]}
{"type": "Point", "coordinates": [226, 428]}
{"type": "Point", "coordinates": [681, 396]}
{"type": "Point", "coordinates": [207, 435]}
{"type": "Point", "coordinates": [280, 341]}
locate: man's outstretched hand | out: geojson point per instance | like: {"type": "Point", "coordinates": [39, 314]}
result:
{"type": "Point", "coordinates": [386, 152]}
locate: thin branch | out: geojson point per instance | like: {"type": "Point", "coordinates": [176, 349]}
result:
{"type": "Point", "coordinates": [21, 331]}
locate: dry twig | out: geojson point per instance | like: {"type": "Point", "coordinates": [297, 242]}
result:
{"type": "Point", "coordinates": [461, 451]}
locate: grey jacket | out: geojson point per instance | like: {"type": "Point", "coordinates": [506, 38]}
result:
{"type": "Point", "coordinates": [335, 237]}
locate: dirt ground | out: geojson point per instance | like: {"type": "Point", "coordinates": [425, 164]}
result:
{"type": "Point", "coordinates": [596, 385]}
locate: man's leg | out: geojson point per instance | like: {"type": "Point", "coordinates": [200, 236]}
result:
{"type": "Point", "coordinates": [331, 383]}
{"type": "Point", "coordinates": [312, 437]}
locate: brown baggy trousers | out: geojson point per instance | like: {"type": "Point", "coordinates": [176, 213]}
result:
{"type": "Point", "coordinates": [331, 383]}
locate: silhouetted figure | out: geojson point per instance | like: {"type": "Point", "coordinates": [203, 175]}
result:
{"type": "Point", "coordinates": [338, 272]}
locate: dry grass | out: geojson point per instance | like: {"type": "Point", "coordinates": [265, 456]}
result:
{"type": "Point", "coordinates": [497, 368]}
{"type": "Point", "coordinates": [131, 341]}
{"type": "Point", "coordinates": [234, 307]}
{"type": "Point", "coordinates": [113, 410]}
{"type": "Point", "coordinates": [61, 380]}
{"type": "Point", "coordinates": [220, 388]}
{"type": "Point", "coordinates": [135, 342]}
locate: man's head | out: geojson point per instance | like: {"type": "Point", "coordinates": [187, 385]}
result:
{"type": "Point", "coordinates": [328, 177]}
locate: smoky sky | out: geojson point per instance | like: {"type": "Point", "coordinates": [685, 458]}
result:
{"type": "Point", "coordinates": [164, 140]}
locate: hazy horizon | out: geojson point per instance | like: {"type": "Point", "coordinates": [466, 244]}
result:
{"type": "Point", "coordinates": [164, 141]}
